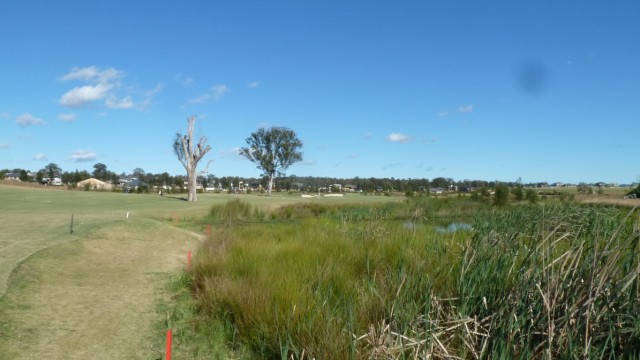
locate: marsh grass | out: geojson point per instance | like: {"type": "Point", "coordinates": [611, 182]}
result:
{"type": "Point", "coordinates": [529, 282]}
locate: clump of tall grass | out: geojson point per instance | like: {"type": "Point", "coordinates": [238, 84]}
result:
{"type": "Point", "coordinates": [234, 211]}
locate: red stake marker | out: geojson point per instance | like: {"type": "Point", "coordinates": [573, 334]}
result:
{"type": "Point", "coordinates": [208, 231]}
{"type": "Point", "coordinates": [168, 354]}
{"type": "Point", "coordinates": [189, 259]}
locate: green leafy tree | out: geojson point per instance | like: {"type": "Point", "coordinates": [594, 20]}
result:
{"type": "Point", "coordinates": [501, 195]}
{"type": "Point", "coordinates": [273, 150]}
{"type": "Point", "coordinates": [518, 192]}
{"type": "Point", "coordinates": [531, 196]}
{"type": "Point", "coordinates": [24, 175]}
{"type": "Point", "coordinates": [190, 151]}
{"type": "Point", "coordinates": [52, 169]}
{"type": "Point", "coordinates": [100, 171]}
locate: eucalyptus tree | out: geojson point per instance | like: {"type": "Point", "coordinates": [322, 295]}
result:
{"type": "Point", "coordinates": [273, 150]}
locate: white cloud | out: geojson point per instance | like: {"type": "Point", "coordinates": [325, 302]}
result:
{"type": "Point", "coordinates": [443, 114]}
{"type": "Point", "coordinates": [148, 97]}
{"type": "Point", "coordinates": [4, 145]}
{"type": "Point", "coordinates": [216, 92]}
{"type": "Point", "coordinates": [235, 152]}
{"type": "Point", "coordinates": [200, 99]}
{"type": "Point", "coordinates": [125, 103]}
{"type": "Point", "coordinates": [82, 156]}
{"type": "Point", "coordinates": [367, 136]}
{"type": "Point", "coordinates": [398, 137]}
{"type": "Point", "coordinates": [84, 95]}
{"type": "Point", "coordinates": [27, 119]}
{"type": "Point", "coordinates": [104, 85]}
{"type": "Point", "coordinates": [159, 87]}
{"type": "Point", "coordinates": [219, 91]}
{"type": "Point", "coordinates": [465, 109]}
{"type": "Point", "coordinates": [40, 157]}
{"type": "Point", "coordinates": [309, 163]}
{"type": "Point", "coordinates": [93, 74]}
{"type": "Point", "coordinates": [253, 85]}
{"type": "Point", "coordinates": [353, 156]}
{"type": "Point", "coordinates": [67, 117]}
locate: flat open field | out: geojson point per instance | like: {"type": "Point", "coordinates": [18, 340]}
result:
{"type": "Point", "coordinates": [94, 293]}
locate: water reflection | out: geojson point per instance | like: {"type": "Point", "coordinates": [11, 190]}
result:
{"type": "Point", "coordinates": [453, 227]}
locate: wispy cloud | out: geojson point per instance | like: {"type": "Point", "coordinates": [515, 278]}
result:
{"type": "Point", "coordinates": [82, 156]}
{"type": "Point", "coordinates": [184, 80]}
{"type": "Point", "coordinates": [93, 74]}
{"type": "Point", "coordinates": [5, 116]}
{"type": "Point", "coordinates": [149, 96]}
{"type": "Point", "coordinates": [425, 167]}
{"type": "Point", "coordinates": [308, 163]}
{"type": "Point", "coordinates": [391, 166]}
{"type": "Point", "coordinates": [67, 117]}
{"type": "Point", "coordinates": [462, 109]}
{"type": "Point", "coordinates": [215, 93]}
{"type": "Point", "coordinates": [114, 103]}
{"type": "Point", "coordinates": [398, 137]}
{"type": "Point", "coordinates": [40, 157]}
{"type": "Point", "coordinates": [235, 152]}
{"type": "Point", "coordinates": [218, 91]}
{"type": "Point", "coordinates": [353, 156]}
{"type": "Point", "coordinates": [253, 85]}
{"type": "Point", "coordinates": [367, 136]}
{"type": "Point", "coordinates": [4, 145]}
{"type": "Point", "coordinates": [27, 119]}
{"type": "Point", "coordinates": [200, 99]}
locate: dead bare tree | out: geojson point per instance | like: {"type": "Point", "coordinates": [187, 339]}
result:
{"type": "Point", "coordinates": [190, 153]}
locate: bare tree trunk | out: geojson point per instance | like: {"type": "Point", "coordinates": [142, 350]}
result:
{"type": "Point", "coordinates": [191, 184]}
{"type": "Point", "coordinates": [270, 184]}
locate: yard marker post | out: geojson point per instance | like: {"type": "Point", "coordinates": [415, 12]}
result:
{"type": "Point", "coordinates": [71, 229]}
{"type": "Point", "coordinates": [189, 260]}
{"type": "Point", "coordinates": [168, 351]}
{"type": "Point", "coordinates": [208, 231]}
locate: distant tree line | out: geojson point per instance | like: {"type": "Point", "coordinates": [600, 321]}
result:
{"type": "Point", "coordinates": [480, 188]}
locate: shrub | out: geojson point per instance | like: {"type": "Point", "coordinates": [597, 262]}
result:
{"type": "Point", "coordinates": [531, 196]}
{"type": "Point", "coordinates": [501, 196]}
{"type": "Point", "coordinates": [234, 211]}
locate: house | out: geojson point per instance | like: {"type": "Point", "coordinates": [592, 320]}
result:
{"type": "Point", "coordinates": [12, 176]}
{"type": "Point", "coordinates": [350, 188]}
{"type": "Point", "coordinates": [56, 180]}
{"type": "Point", "coordinates": [134, 184]}
{"type": "Point", "coordinates": [436, 191]}
{"type": "Point", "coordinates": [93, 184]}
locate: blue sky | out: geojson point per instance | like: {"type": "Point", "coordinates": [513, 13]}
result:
{"type": "Point", "coordinates": [491, 90]}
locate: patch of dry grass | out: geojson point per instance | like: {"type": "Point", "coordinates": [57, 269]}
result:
{"type": "Point", "coordinates": [94, 298]}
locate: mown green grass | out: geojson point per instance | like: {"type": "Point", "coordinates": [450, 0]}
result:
{"type": "Point", "coordinates": [380, 281]}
